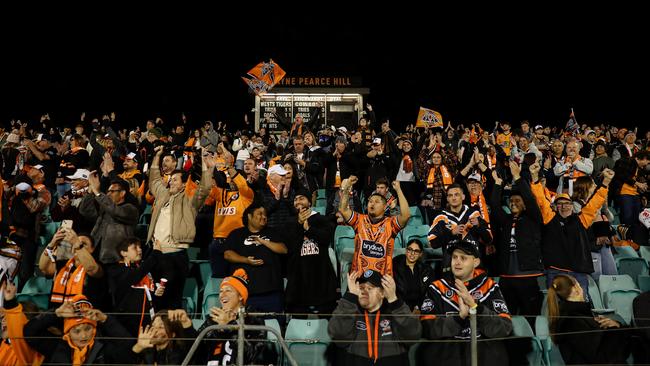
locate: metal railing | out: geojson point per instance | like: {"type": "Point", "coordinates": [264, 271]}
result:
{"type": "Point", "coordinates": [240, 327]}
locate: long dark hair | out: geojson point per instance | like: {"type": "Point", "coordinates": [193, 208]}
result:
{"type": "Point", "coordinates": [172, 328]}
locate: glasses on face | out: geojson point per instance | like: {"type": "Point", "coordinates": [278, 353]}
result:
{"type": "Point", "coordinates": [565, 204]}
{"type": "Point", "coordinates": [114, 190]}
{"type": "Point", "coordinates": [415, 251]}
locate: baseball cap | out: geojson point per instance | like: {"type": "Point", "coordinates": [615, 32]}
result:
{"type": "Point", "coordinates": [80, 174]}
{"type": "Point", "coordinates": [588, 132]}
{"type": "Point", "coordinates": [376, 141]}
{"type": "Point", "coordinates": [303, 192]}
{"type": "Point", "coordinates": [277, 169]}
{"type": "Point", "coordinates": [42, 137]}
{"type": "Point", "coordinates": [38, 166]}
{"type": "Point", "coordinates": [539, 127]}
{"type": "Point", "coordinates": [342, 128]}
{"type": "Point", "coordinates": [371, 276]}
{"type": "Point", "coordinates": [22, 186]}
{"type": "Point", "coordinates": [563, 196]}
{"type": "Point", "coordinates": [475, 176]}
{"type": "Point", "coordinates": [467, 246]}
{"type": "Point", "coordinates": [132, 156]}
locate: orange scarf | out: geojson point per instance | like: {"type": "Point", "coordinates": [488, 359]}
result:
{"type": "Point", "coordinates": [372, 355]}
{"type": "Point", "coordinates": [274, 190]}
{"type": "Point", "coordinates": [446, 177]}
{"type": "Point", "coordinates": [299, 129]}
{"type": "Point", "coordinates": [79, 354]}
{"type": "Point", "coordinates": [67, 285]}
{"type": "Point", "coordinates": [482, 206]}
{"type": "Point", "coordinates": [407, 164]}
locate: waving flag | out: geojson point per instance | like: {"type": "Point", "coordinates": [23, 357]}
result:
{"type": "Point", "coordinates": [429, 117]}
{"type": "Point", "coordinates": [572, 125]}
{"type": "Point", "coordinates": [264, 76]}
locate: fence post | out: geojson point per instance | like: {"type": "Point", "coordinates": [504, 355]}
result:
{"type": "Point", "coordinates": [240, 336]}
{"type": "Point", "coordinates": [472, 325]}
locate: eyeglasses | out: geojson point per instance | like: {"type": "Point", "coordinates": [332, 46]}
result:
{"type": "Point", "coordinates": [416, 251]}
{"type": "Point", "coordinates": [114, 190]}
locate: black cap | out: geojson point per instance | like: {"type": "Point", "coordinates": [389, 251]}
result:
{"type": "Point", "coordinates": [302, 191]}
{"type": "Point", "coordinates": [371, 276]}
{"type": "Point", "coordinates": [467, 246]}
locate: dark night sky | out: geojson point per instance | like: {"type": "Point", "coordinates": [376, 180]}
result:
{"type": "Point", "coordinates": [477, 69]}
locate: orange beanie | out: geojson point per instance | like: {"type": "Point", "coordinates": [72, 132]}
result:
{"type": "Point", "coordinates": [238, 281]}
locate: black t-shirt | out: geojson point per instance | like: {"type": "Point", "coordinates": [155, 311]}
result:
{"type": "Point", "coordinates": [50, 167]}
{"type": "Point", "coordinates": [261, 279]}
{"type": "Point", "coordinates": [79, 159]}
{"type": "Point", "coordinates": [311, 277]}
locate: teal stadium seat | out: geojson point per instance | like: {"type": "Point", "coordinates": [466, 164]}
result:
{"type": "Point", "coordinates": [633, 267]}
{"type": "Point", "coordinates": [211, 295]}
{"type": "Point", "coordinates": [625, 252]}
{"type": "Point", "coordinates": [190, 296]}
{"type": "Point", "coordinates": [343, 238]}
{"type": "Point", "coordinates": [644, 283]}
{"type": "Point", "coordinates": [552, 356]}
{"type": "Point", "coordinates": [36, 290]}
{"type": "Point", "coordinates": [308, 340]}
{"type": "Point", "coordinates": [521, 328]}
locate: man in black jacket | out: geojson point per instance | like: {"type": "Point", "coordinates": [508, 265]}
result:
{"type": "Point", "coordinates": [519, 237]}
{"type": "Point", "coordinates": [566, 247]}
{"type": "Point", "coordinates": [446, 309]}
{"type": "Point", "coordinates": [373, 322]}
{"type": "Point", "coordinates": [311, 286]}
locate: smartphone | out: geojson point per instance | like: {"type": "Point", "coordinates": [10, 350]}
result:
{"type": "Point", "coordinates": [66, 224]}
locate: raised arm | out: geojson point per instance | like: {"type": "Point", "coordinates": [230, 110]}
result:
{"type": "Point", "coordinates": [346, 187]}
{"type": "Point", "coordinates": [596, 201]}
{"type": "Point", "coordinates": [538, 191]}
{"type": "Point", "coordinates": [405, 212]}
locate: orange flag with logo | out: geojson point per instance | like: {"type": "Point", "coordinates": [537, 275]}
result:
{"type": "Point", "coordinates": [429, 117]}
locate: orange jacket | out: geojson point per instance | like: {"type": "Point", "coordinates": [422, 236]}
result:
{"type": "Point", "coordinates": [16, 351]}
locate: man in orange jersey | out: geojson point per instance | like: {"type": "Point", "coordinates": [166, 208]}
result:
{"type": "Point", "coordinates": [230, 196]}
{"type": "Point", "coordinates": [375, 233]}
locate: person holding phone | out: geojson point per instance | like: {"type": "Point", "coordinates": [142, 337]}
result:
{"type": "Point", "coordinates": [80, 274]}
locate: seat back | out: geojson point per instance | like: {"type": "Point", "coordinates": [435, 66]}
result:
{"type": "Point", "coordinates": [644, 283]}
{"type": "Point", "coordinates": [211, 295]}
{"type": "Point", "coordinates": [632, 266]}
{"type": "Point", "coordinates": [416, 216]}
{"type": "Point", "coordinates": [625, 252]}
{"type": "Point", "coordinates": [308, 340]}
{"type": "Point", "coordinates": [319, 209]}
{"type": "Point", "coordinates": [594, 294]}
{"type": "Point", "coordinates": [551, 352]}
{"type": "Point", "coordinates": [521, 328]}
{"type": "Point", "coordinates": [418, 232]}
{"type": "Point", "coordinates": [190, 296]}
{"type": "Point", "coordinates": [621, 301]}
{"type": "Point", "coordinates": [343, 238]}
{"type": "Point", "coordinates": [205, 271]}
{"type": "Point", "coordinates": [611, 282]}
{"type": "Point", "coordinates": [644, 251]}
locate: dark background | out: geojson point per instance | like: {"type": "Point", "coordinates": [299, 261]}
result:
{"type": "Point", "coordinates": [536, 65]}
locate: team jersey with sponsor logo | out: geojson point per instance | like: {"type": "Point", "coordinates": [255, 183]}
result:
{"type": "Point", "coordinates": [229, 206]}
{"type": "Point", "coordinates": [441, 301]}
{"type": "Point", "coordinates": [373, 243]}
